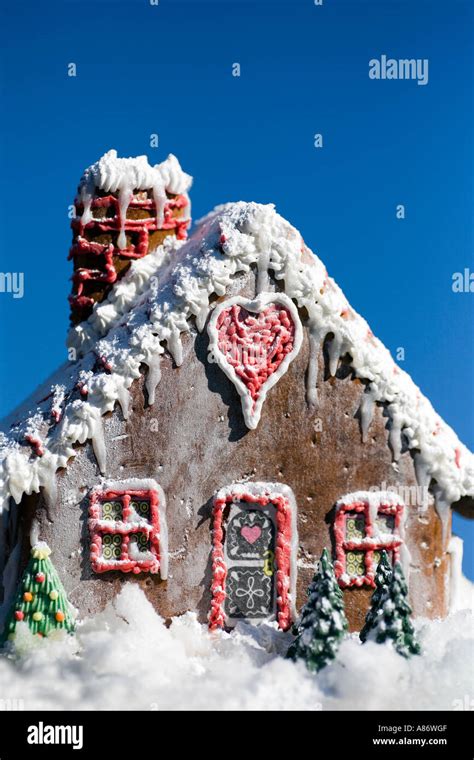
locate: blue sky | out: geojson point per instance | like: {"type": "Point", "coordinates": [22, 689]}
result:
{"type": "Point", "coordinates": [167, 69]}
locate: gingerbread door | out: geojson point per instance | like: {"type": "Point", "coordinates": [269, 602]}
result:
{"type": "Point", "coordinates": [250, 558]}
{"type": "Point", "coordinates": [253, 572]}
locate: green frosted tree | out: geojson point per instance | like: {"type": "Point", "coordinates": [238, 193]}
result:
{"type": "Point", "coordinates": [382, 578]}
{"type": "Point", "coordinates": [323, 623]}
{"type": "Point", "coordinates": [41, 600]}
{"type": "Point", "coordinates": [389, 616]}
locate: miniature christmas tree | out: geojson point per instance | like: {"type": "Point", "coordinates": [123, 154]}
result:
{"type": "Point", "coordinates": [323, 622]}
{"type": "Point", "coordinates": [41, 600]}
{"type": "Point", "coordinates": [382, 578]}
{"type": "Point", "coordinates": [390, 616]}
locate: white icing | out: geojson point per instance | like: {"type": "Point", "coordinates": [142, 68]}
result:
{"type": "Point", "coordinates": [174, 179]}
{"type": "Point", "coordinates": [423, 478]}
{"type": "Point", "coordinates": [366, 410]}
{"type": "Point", "coordinates": [335, 352]}
{"type": "Point", "coordinates": [395, 435]}
{"type": "Point", "coordinates": [152, 350]}
{"type": "Point", "coordinates": [34, 532]}
{"type": "Point", "coordinates": [125, 175]}
{"type": "Point", "coordinates": [375, 499]}
{"type": "Point", "coordinates": [228, 242]}
{"type": "Point", "coordinates": [263, 278]}
{"type": "Point", "coordinates": [59, 393]}
{"type": "Point", "coordinates": [316, 337]}
{"type": "Point", "coordinates": [135, 553]}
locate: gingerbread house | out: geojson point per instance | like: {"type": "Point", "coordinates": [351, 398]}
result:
{"type": "Point", "coordinates": [224, 416]}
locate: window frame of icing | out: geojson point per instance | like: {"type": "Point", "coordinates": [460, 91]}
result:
{"type": "Point", "coordinates": [371, 542]}
{"type": "Point", "coordinates": [154, 528]}
{"type": "Point", "coordinates": [252, 408]}
{"type": "Point", "coordinates": [261, 495]}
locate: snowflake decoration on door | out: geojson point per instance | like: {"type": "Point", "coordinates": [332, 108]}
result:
{"type": "Point", "coordinates": [249, 593]}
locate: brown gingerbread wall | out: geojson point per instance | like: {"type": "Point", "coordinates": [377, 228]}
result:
{"type": "Point", "coordinates": [193, 441]}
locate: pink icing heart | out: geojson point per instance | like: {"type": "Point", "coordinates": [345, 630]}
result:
{"type": "Point", "coordinates": [255, 344]}
{"type": "Point", "coordinates": [251, 533]}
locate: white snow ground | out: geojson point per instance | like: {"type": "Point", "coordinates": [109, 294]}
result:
{"type": "Point", "coordinates": [125, 658]}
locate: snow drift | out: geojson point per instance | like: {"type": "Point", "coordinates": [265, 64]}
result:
{"type": "Point", "coordinates": [126, 658]}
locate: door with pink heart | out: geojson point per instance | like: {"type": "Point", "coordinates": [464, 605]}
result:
{"type": "Point", "coordinates": [253, 554]}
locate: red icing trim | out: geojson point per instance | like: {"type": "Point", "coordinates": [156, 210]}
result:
{"type": "Point", "coordinates": [82, 387]}
{"type": "Point", "coordinates": [37, 444]}
{"type": "Point", "coordinates": [99, 527]}
{"type": "Point", "coordinates": [103, 361]}
{"type": "Point", "coordinates": [282, 556]}
{"type": "Point", "coordinates": [142, 227]}
{"type": "Point", "coordinates": [367, 546]}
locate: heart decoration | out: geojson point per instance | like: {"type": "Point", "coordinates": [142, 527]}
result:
{"type": "Point", "coordinates": [254, 342]}
{"type": "Point", "coordinates": [251, 533]}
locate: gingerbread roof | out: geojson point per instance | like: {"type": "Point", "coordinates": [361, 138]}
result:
{"type": "Point", "coordinates": [170, 292]}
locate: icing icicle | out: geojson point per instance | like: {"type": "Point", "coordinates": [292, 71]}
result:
{"type": "Point", "coordinates": [152, 359]}
{"type": "Point", "coordinates": [366, 410]}
{"type": "Point", "coordinates": [112, 174]}
{"type": "Point", "coordinates": [423, 478]}
{"type": "Point", "coordinates": [316, 335]}
{"type": "Point", "coordinates": [395, 434]}
{"type": "Point", "coordinates": [334, 349]}
{"type": "Point", "coordinates": [263, 279]}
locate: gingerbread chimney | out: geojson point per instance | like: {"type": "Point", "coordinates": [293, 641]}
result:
{"type": "Point", "coordinates": [125, 208]}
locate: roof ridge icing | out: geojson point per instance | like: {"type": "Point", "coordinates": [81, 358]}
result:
{"type": "Point", "coordinates": [166, 294]}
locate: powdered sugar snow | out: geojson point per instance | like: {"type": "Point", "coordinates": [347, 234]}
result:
{"type": "Point", "coordinates": [126, 658]}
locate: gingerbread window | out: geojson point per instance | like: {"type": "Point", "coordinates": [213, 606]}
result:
{"type": "Point", "coordinates": [253, 561]}
{"type": "Point", "coordinates": [127, 526]}
{"type": "Point", "coordinates": [366, 524]}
